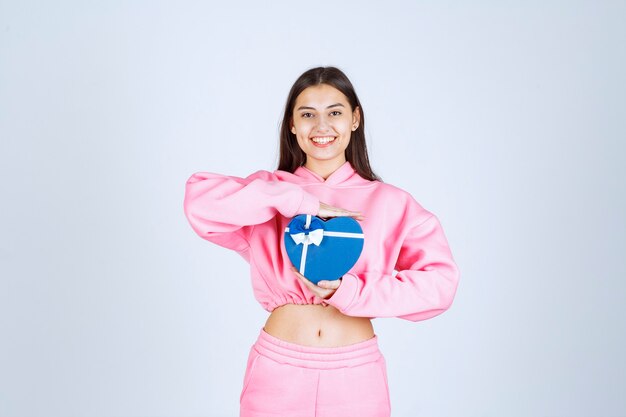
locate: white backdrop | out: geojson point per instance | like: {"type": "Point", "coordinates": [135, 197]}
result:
{"type": "Point", "coordinates": [507, 120]}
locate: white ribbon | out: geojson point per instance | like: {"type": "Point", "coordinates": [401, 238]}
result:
{"type": "Point", "coordinates": [315, 237]}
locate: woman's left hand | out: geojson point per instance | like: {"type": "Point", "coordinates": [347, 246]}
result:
{"type": "Point", "coordinates": [324, 289]}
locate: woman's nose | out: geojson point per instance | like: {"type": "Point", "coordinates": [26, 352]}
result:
{"type": "Point", "coordinates": [322, 124]}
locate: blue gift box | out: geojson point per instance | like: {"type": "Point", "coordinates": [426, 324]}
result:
{"type": "Point", "coordinates": [323, 250]}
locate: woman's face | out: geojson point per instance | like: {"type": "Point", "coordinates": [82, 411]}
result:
{"type": "Point", "coordinates": [323, 122]}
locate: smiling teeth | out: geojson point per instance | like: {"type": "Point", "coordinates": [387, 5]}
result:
{"type": "Point", "coordinates": [324, 140]}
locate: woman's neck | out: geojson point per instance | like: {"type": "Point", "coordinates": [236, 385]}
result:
{"type": "Point", "coordinates": [324, 168]}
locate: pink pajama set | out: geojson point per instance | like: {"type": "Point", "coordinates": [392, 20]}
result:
{"type": "Point", "coordinates": [405, 270]}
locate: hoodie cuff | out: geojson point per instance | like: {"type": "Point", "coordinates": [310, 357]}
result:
{"type": "Point", "coordinates": [310, 205]}
{"type": "Point", "coordinates": [343, 297]}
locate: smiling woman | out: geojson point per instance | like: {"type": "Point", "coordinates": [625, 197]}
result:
{"type": "Point", "coordinates": [317, 353]}
{"type": "Point", "coordinates": [323, 106]}
{"type": "Point", "coordinates": [323, 130]}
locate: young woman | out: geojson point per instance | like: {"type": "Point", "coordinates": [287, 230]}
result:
{"type": "Point", "coordinates": [317, 354]}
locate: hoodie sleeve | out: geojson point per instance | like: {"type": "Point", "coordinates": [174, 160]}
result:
{"type": "Point", "coordinates": [424, 286]}
{"type": "Point", "coordinates": [223, 209]}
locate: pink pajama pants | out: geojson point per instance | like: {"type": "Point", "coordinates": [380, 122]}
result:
{"type": "Point", "coordinates": [291, 380]}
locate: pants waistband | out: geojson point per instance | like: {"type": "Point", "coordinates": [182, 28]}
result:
{"type": "Point", "coordinates": [317, 357]}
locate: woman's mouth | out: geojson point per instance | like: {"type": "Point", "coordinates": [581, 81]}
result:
{"type": "Point", "coordinates": [323, 141]}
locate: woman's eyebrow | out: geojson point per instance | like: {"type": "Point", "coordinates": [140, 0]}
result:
{"type": "Point", "coordinates": [313, 108]}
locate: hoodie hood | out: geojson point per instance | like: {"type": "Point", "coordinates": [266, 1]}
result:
{"type": "Point", "coordinates": [345, 175]}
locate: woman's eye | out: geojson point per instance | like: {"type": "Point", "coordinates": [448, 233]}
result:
{"type": "Point", "coordinates": [335, 113]}
{"type": "Point", "coordinates": [306, 115]}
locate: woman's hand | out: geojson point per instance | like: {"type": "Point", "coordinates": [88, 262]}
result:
{"type": "Point", "coordinates": [327, 210]}
{"type": "Point", "coordinates": [324, 289]}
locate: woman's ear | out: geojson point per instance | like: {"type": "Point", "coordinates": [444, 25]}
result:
{"type": "Point", "coordinates": [356, 117]}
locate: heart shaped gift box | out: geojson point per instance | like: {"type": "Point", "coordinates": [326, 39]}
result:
{"type": "Point", "coordinates": [323, 250]}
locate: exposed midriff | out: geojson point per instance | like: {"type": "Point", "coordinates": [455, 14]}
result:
{"type": "Point", "coordinates": [317, 325]}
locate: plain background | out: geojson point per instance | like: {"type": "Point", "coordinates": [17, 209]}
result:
{"type": "Point", "coordinates": [506, 119]}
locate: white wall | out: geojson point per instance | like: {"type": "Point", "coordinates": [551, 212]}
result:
{"type": "Point", "coordinates": [505, 119]}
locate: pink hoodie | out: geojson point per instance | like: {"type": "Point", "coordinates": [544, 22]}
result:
{"type": "Point", "coordinates": [406, 268]}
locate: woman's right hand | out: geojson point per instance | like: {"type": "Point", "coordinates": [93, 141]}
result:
{"type": "Point", "coordinates": [327, 211]}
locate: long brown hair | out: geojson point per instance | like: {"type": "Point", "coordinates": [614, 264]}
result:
{"type": "Point", "coordinates": [291, 156]}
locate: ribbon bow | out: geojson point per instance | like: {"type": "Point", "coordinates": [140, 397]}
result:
{"type": "Point", "coordinates": [315, 237]}
{"type": "Point", "coordinates": [311, 231]}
